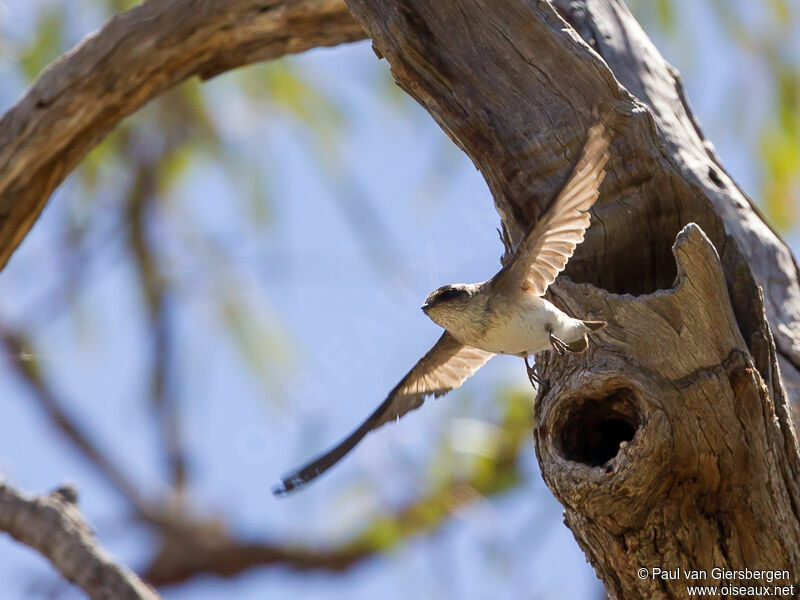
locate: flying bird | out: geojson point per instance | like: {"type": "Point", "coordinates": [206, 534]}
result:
{"type": "Point", "coordinates": [505, 315]}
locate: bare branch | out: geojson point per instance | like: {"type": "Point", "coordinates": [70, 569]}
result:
{"type": "Point", "coordinates": [134, 58]}
{"type": "Point", "coordinates": [216, 552]}
{"type": "Point", "coordinates": [53, 526]}
{"type": "Point", "coordinates": [154, 287]}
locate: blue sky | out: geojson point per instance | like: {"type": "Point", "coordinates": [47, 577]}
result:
{"type": "Point", "coordinates": [345, 325]}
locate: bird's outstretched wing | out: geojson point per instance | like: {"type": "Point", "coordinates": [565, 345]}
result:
{"type": "Point", "coordinates": [549, 244]}
{"type": "Point", "coordinates": [445, 367]}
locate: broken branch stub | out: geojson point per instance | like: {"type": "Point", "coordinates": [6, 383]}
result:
{"type": "Point", "coordinates": [663, 442]}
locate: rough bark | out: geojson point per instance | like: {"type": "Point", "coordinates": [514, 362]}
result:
{"type": "Point", "coordinates": [134, 58]}
{"type": "Point", "coordinates": [664, 443]}
{"type": "Point", "coordinates": [708, 469]}
{"type": "Point", "coordinates": [53, 526]}
{"type": "Point", "coordinates": [689, 380]}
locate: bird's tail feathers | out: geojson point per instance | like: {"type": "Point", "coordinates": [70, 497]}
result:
{"type": "Point", "coordinates": [300, 477]}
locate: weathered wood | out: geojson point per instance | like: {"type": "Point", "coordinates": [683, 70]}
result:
{"type": "Point", "coordinates": [614, 33]}
{"type": "Point", "coordinates": [708, 469]}
{"type": "Point", "coordinates": [516, 89]}
{"type": "Point", "coordinates": [688, 377]}
{"type": "Point", "coordinates": [134, 58]}
{"type": "Point", "coordinates": [53, 526]}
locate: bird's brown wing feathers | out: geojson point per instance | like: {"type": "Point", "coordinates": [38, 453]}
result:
{"type": "Point", "coordinates": [547, 246]}
{"type": "Point", "coordinates": [445, 367]}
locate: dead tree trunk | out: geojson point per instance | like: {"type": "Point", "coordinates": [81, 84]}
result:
{"type": "Point", "coordinates": [670, 443]}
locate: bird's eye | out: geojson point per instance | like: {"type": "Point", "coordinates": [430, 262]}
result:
{"type": "Point", "coordinates": [450, 294]}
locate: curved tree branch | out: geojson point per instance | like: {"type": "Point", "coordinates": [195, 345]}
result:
{"type": "Point", "coordinates": [53, 526]}
{"type": "Point", "coordinates": [134, 58]}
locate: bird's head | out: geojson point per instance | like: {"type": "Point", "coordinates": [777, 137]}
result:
{"type": "Point", "coordinates": [446, 306]}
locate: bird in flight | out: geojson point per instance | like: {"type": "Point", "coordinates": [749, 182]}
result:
{"type": "Point", "coordinates": [505, 315]}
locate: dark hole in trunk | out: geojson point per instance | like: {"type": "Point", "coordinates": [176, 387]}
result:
{"type": "Point", "coordinates": [595, 427]}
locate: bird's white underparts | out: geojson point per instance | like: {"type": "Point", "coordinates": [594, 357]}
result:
{"type": "Point", "coordinates": [506, 314]}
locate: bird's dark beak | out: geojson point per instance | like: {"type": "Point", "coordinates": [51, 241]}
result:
{"type": "Point", "coordinates": [426, 307]}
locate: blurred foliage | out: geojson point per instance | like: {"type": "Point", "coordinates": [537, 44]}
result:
{"type": "Point", "coordinates": [780, 148]}
{"type": "Point", "coordinates": [288, 92]}
{"type": "Point", "coordinates": [492, 470]}
{"type": "Point", "coordinates": [47, 44]}
{"type": "Point", "coordinates": [764, 33]}
{"type": "Point", "coordinates": [773, 43]}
